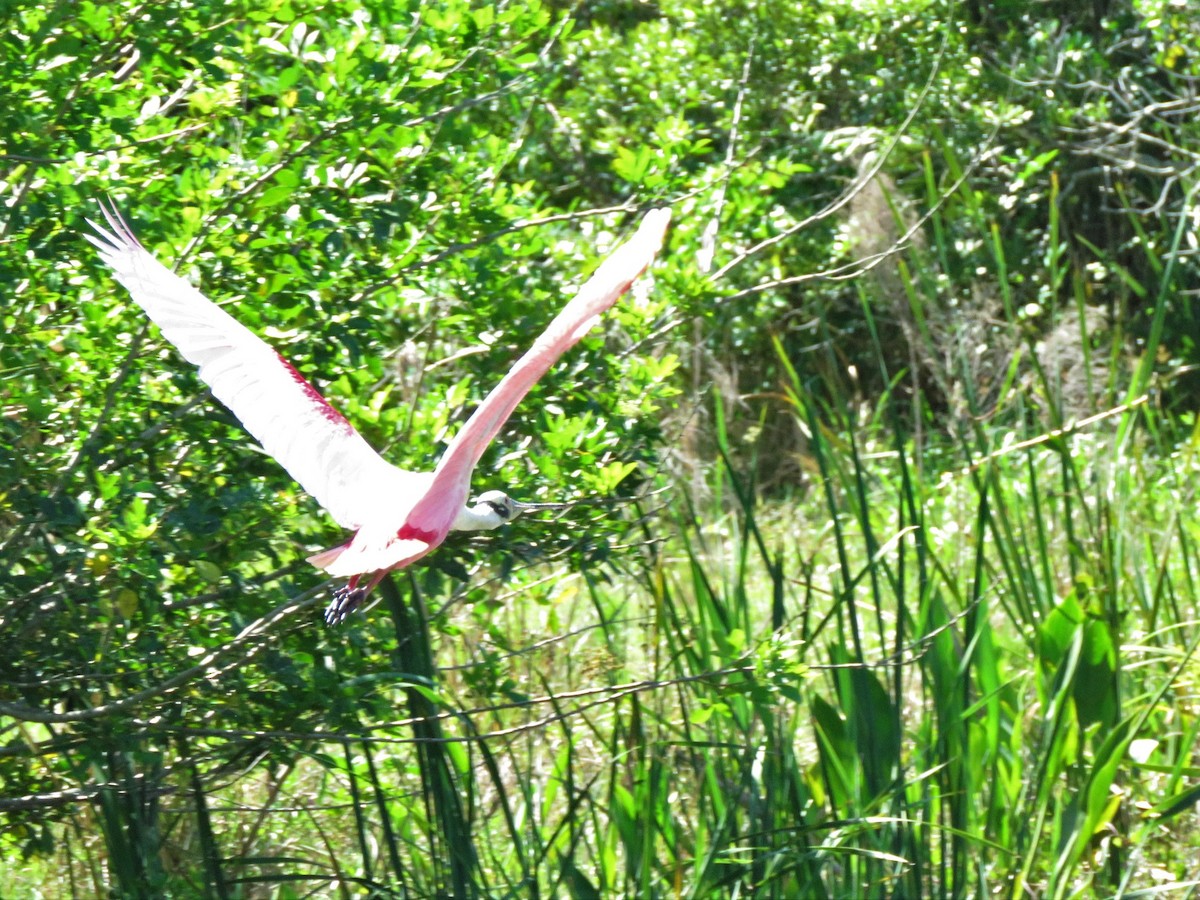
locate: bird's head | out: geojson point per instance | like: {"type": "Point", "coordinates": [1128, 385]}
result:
{"type": "Point", "coordinates": [493, 509]}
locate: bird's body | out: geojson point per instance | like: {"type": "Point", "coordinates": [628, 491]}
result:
{"type": "Point", "coordinates": [398, 516]}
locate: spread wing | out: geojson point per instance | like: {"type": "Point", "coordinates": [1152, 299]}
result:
{"type": "Point", "coordinates": [614, 277]}
{"type": "Point", "coordinates": [285, 413]}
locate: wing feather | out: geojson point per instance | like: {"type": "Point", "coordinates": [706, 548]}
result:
{"type": "Point", "coordinates": [286, 414]}
{"type": "Point", "coordinates": [614, 277]}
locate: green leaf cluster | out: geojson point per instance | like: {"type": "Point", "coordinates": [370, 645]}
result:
{"type": "Point", "coordinates": [907, 608]}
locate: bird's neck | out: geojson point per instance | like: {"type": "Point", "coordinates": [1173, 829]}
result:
{"type": "Point", "coordinates": [477, 518]}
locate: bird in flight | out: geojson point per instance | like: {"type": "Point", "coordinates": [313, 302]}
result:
{"type": "Point", "coordinates": [397, 516]}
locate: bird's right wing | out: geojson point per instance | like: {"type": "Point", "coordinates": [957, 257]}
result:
{"type": "Point", "coordinates": [287, 415]}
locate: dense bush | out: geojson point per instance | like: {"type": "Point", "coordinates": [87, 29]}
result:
{"type": "Point", "coordinates": [928, 291]}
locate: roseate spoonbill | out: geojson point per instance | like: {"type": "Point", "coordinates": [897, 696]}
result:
{"type": "Point", "coordinates": [397, 516]}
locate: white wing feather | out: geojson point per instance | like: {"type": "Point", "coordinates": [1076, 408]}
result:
{"type": "Point", "coordinates": [286, 414]}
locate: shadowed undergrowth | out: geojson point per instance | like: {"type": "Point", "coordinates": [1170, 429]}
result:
{"type": "Point", "coordinates": [899, 684]}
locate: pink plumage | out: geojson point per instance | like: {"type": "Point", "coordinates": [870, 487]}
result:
{"type": "Point", "coordinates": [398, 516]}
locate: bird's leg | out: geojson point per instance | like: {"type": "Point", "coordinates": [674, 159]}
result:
{"type": "Point", "coordinates": [348, 597]}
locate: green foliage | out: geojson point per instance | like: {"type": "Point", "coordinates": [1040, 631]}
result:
{"type": "Point", "coordinates": [918, 625]}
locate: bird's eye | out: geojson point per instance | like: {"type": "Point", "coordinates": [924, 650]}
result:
{"type": "Point", "coordinates": [501, 509]}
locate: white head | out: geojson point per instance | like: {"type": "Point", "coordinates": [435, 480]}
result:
{"type": "Point", "coordinates": [493, 509]}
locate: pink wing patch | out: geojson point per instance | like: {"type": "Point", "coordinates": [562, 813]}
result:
{"type": "Point", "coordinates": [323, 406]}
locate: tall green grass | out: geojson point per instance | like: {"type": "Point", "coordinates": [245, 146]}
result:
{"type": "Point", "coordinates": [957, 662]}
{"type": "Point", "coordinates": [923, 677]}
{"type": "Point", "coordinates": [888, 688]}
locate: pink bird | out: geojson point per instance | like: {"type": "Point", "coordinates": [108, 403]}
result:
{"type": "Point", "coordinates": [397, 516]}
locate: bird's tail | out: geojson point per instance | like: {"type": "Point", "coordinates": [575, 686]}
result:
{"type": "Point", "coordinates": [327, 558]}
{"type": "Point", "coordinates": [371, 553]}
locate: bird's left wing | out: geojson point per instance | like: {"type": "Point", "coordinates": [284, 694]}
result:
{"type": "Point", "coordinates": [287, 415]}
{"type": "Point", "coordinates": [614, 277]}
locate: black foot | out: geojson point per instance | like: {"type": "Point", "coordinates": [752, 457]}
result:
{"type": "Point", "coordinates": [345, 601]}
